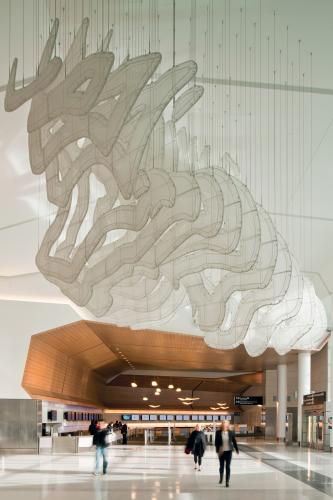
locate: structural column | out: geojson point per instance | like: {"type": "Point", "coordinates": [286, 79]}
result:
{"type": "Point", "coordinates": [281, 402]}
{"type": "Point", "coordinates": [330, 388]}
{"type": "Point", "coordinates": [304, 387]}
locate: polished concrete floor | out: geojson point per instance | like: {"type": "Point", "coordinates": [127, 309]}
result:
{"type": "Point", "coordinates": [260, 471]}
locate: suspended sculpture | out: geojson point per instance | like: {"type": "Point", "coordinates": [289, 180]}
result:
{"type": "Point", "coordinates": [168, 229]}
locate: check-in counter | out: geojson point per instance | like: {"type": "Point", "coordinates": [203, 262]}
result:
{"type": "Point", "coordinates": [71, 444]}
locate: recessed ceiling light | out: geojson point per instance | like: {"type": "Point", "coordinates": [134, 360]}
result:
{"type": "Point", "coordinates": [154, 406]}
{"type": "Point", "coordinates": [158, 389]}
{"type": "Point", "coordinates": [178, 389]}
{"type": "Point", "coordinates": [134, 384]}
{"type": "Point", "coordinates": [145, 398]}
{"type": "Point", "coordinates": [154, 383]}
{"type": "Point", "coordinates": [171, 386]}
{"type": "Point", "coordinates": [214, 409]}
{"type": "Point", "coordinates": [157, 393]}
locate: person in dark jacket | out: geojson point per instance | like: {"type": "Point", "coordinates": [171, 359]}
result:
{"type": "Point", "coordinates": [123, 431]}
{"type": "Point", "coordinates": [101, 442]}
{"type": "Point", "coordinates": [197, 444]}
{"type": "Point", "coordinates": [225, 443]}
{"type": "Point", "coordinates": [92, 427]}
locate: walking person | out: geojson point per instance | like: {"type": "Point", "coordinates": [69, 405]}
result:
{"type": "Point", "coordinates": [225, 443]}
{"type": "Point", "coordinates": [124, 433]}
{"type": "Point", "coordinates": [196, 443]}
{"type": "Point", "coordinates": [92, 427]}
{"type": "Point", "coordinates": [101, 441]}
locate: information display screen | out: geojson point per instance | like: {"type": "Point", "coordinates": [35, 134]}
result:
{"type": "Point", "coordinates": [152, 417]}
{"type": "Point", "coordinates": [248, 400]}
{"type": "Point", "coordinates": [162, 417]}
{"type": "Point", "coordinates": [126, 418]}
{"type": "Point", "coordinates": [195, 417]}
{"type": "Point", "coordinates": [145, 417]}
{"type": "Point", "coordinates": [209, 417]}
{"type": "Point", "coordinates": [201, 417]}
{"type": "Point", "coordinates": [135, 417]}
{"type": "Point", "coordinates": [170, 417]}
{"type": "Point", "coordinates": [179, 417]}
{"type": "Point", "coordinates": [186, 417]}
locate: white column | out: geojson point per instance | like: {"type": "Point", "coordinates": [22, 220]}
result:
{"type": "Point", "coordinates": [304, 387]}
{"type": "Point", "coordinates": [281, 403]}
{"type": "Point", "coordinates": [330, 385]}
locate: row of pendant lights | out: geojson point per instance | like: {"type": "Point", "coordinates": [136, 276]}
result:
{"type": "Point", "coordinates": [155, 384]}
{"type": "Point", "coordinates": [157, 390]}
{"type": "Point", "coordinates": [185, 401]}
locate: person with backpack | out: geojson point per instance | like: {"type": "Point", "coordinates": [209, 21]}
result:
{"type": "Point", "coordinates": [196, 444]}
{"type": "Point", "coordinates": [102, 441]}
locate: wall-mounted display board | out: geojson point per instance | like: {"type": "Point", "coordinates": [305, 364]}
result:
{"type": "Point", "coordinates": [170, 418]}
{"type": "Point", "coordinates": [78, 416]}
{"type": "Point", "coordinates": [248, 400]}
{"type": "Point", "coordinates": [317, 398]}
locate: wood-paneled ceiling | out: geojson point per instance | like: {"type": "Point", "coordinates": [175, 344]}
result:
{"type": "Point", "coordinates": [84, 362]}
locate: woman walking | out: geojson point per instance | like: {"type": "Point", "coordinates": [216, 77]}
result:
{"type": "Point", "coordinates": [196, 443]}
{"type": "Point", "coordinates": [225, 443]}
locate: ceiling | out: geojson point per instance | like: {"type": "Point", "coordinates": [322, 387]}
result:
{"type": "Point", "coordinates": [296, 192]}
{"type": "Point", "coordinates": [94, 363]}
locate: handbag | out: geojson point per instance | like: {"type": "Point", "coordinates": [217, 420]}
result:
{"type": "Point", "coordinates": [187, 450]}
{"type": "Point", "coordinates": [108, 438]}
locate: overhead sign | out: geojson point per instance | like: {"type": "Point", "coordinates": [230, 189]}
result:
{"type": "Point", "coordinates": [248, 400]}
{"type": "Point", "coordinates": [317, 398]}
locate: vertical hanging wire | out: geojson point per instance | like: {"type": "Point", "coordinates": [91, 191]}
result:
{"type": "Point", "coordinates": [280, 191]}
{"type": "Point", "coordinates": [292, 144]}
{"type": "Point", "coordinates": [268, 133]}
{"type": "Point", "coordinates": [274, 113]}
{"type": "Point", "coordinates": [229, 76]}
{"type": "Point", "coordinates": [250, 121]}
{"type": "Point", "coordinates": [311, 166]}
{"type": "Point", "coordinates": [245, 93]}
{"type": "Point", "coordinates": [23, 23]}
{"type": "Point", "coordinates": [254, 113]}
{"type": "Point", "coordinates": [260, 107]}
{"type": "Point", "coordinates": [287, 133]}
{"type": "Point", "coordinates": [241, 160]}
{"type": "Point", "coordinates": [303, 169]}
{"type": "Point", "coordinates": [236, 103]}
{"type": "Point", "coordinates": [299, 144]}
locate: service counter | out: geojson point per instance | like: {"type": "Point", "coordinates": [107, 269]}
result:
{"type": "Point", "coordinates": [71, 444]}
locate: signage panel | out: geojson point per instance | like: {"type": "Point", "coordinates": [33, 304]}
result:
{"type": "Point", "coordinates": [248, 400]}
{"type": "Point", "coordinates": [317, 398]}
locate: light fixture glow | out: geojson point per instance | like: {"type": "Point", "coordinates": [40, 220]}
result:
{"type": "Point", "coordinates": [188, 399]}
{"type": "Point", "coordinates": [171, 386]}
{"type": "Point", "coordinates": [154, 383]}
{"type": "Point", "coordinates": [157, 393]}
{"type": "Point", "coordinates": [134, 384]}
{"type": "Point", "coordinates": [178, 389]}
{"type": "Point", "coordinates": [145, 398]}
{"type": "Point", "coordinates": [154, 406]}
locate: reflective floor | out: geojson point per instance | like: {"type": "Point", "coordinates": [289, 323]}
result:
{"type": "Point", "coordinates": [160, 472]}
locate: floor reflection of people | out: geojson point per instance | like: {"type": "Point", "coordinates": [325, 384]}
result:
{"type": "Point", "coordinates": [101, 490]}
